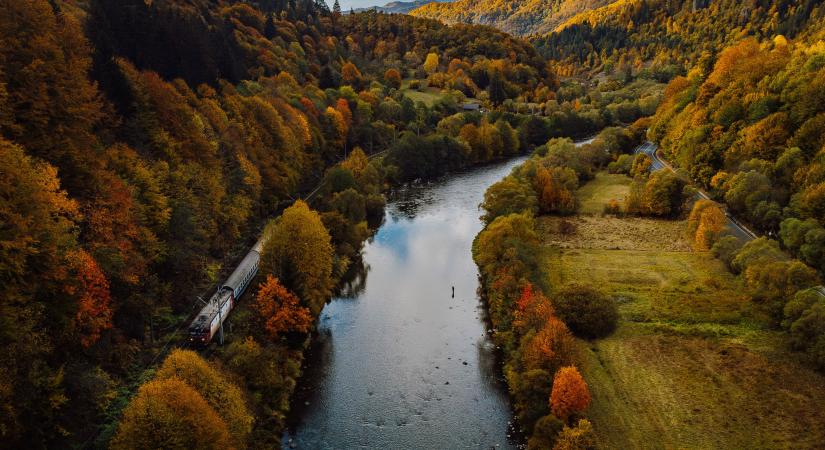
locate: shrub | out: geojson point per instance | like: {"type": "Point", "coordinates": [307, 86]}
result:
{"type": "Point", "coordinates": [622, 165]}
{"type": "Point", "coordinates": [580, 437]}
{"type": "Point", "coordinates": [586, 311]}
{"type": "Point", "coordinates": [726, 249]}
{"type": "Point", "coordinates": [613, 207]}
{"type": "Point", "coordinates": [545, 433]}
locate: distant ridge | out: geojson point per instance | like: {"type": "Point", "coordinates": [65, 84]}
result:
{"type": "Point", "coordinates": [519, 17]}
{"type": "Point", "coordinates": [400, 7]}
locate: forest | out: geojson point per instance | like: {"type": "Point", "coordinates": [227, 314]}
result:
{"type": "Point", "coordinates": [147, 144]}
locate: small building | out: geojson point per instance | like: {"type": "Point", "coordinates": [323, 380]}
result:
{"type": "Point", "coordinates": [471, 106]}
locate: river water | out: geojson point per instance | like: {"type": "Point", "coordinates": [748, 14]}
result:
{"type": "Point", "coordinates": [399, 362]}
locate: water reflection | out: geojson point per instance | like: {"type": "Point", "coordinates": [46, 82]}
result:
{"type": "Point", "coordinates": [406, 365]}
{"type": "Point", "coordinates": [355, 280]}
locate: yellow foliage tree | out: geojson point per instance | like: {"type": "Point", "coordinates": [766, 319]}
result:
{"type": "Point", "coordinates": [580, 437]}
{"type": "Point", "coordinates": [223, 396]}
{"type": "Point", "coordinates": [170, 414]}
{"type": "Point", "coordinates": [431, 63]}
{"type": "Point", "coordinates": [299, 253]}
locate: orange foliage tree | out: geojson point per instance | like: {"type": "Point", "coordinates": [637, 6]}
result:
{"type": "Point", "coordinates": [554, 195]}
{"type": "Point", "coordinates": [350, 74]}
{"type": "Point", "coordinates": [280, 309]}
{"type": "Point", "coordinates": [551, 347]}
{"type": "Point", "coordinates": [706, 222]}
{"type": "Point", "coordinates": [342, 106]}
{"type": "Point", "coordinates": [91, 288]}
{"type": "Point", "coordinates": [533, 310]}
{"type": "Point", "coordinates": [570, 394]}
{"type": "Point", "coordinates": [393, 78]}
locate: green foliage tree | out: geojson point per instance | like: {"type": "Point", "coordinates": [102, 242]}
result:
{"type": "Point", "coordinates": [545, 433]}
{"type": "Point", "coordinates": [588, 312]}
{"type": "Point", "coordinates": [508, 196]}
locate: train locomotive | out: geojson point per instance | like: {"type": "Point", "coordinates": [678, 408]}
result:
{"type": "Point", "coordinates": [210, 319]}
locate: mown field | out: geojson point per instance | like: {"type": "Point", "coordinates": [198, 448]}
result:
{"type": "Point", "coordinates": [692, 364]}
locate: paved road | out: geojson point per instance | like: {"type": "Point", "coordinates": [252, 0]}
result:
{"type": "Point", "coordinates": [736, 229]}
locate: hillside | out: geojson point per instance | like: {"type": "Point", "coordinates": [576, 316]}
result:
{"type": "Point", "coordinates": [400, 7]}
{"type": "Point", "coordinates": [663, 37]}
{"type": "Point", "coordinates": [667, 37]}
{"type": "Point", "coordinates": [520, 17]}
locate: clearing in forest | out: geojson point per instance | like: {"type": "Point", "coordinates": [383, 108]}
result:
{"type": "Point", "coordinates": [692, 364]}
{"type": "Point", "coordinates": [428, 95]}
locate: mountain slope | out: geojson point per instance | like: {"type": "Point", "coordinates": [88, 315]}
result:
{"type": "Point", "coordinates": [400, 7]}
{"type": "Point", "coordinates": [668, 36]}
{"type": "Point", "coordinates": [521, 17]}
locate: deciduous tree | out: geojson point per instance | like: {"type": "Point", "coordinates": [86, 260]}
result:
{"type": "Point", "coordinates": [588, 312]}
{"type": "Point", "coordinates": [280, 310]}
{"type": "Point", "coordinates": [299, 254]}
{"type": "Point", "coordinates": [508, 196]}
{"type": "Point", "coordinates": [533, 310]}
{"type": "Point", "coordinates": [91, 289]}
{"type": "Point", "coordinates": [570, 395]}
{"type": "Point", "coordinates": [580, 437]}
{"type": "Point", "coordinates": [170, 414]}
{"type": "Point", "coordinates": [393, 78]}
{"type": "Point", "coordinates": [350, 74]}
{"type": "Point", "coordinates": [221, 394]}
{"type": "Point", "coordinates": [706, 224]}
{"type": "Point", "coordinates": [431, 63]}
{"type": "Point", "coordinates": [549, 348]}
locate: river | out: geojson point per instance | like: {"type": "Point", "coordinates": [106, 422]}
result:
{"type": "Point", "coordinates": [401, 362]}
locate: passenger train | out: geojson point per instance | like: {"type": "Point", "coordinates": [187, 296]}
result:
{"type": "Point", "coordinates": [209, 320]}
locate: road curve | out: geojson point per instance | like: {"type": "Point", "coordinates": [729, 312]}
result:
{"type": "Point", "coordinates": [735, 228]}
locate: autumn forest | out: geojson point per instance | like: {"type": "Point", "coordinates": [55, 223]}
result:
{"type": "Point", "coordinates": [225, 223]}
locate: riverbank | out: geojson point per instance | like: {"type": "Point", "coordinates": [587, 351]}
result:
{"type": "Point", "coordinates": [400, 362]}
{"type": "Point", "coordinates": [692, 363]}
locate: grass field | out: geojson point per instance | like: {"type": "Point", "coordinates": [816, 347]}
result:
{"type": "Point", "coordinates": [654, 390]}
{"type": "Point", "coordinates": [429, 95]}
{"type": "Point", "coordinates": [613, 233]}
{"type": "Point", "coordinates": [692, 363]}
{"type": "Point", "coordinates": [605, 187]}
